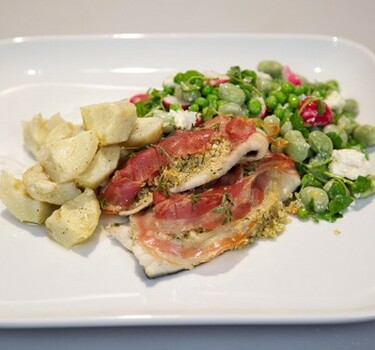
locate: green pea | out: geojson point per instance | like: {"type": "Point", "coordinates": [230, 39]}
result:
{"type": "Point", "coordinates": [299, 90]}
{"type": "Point", "coordinates": [272, 119]}
{"type": "Point", "coordinates": [279, 112]}
{"type": "Point", "coordinates": [297, 147]}
{"type": "Point", "coordinates": [207, 90]}
{"type": "Point", "coordinates": [212, 98]}
{"type": "Point", "coordinates": [281, 97]}
{"type": "Point", "coordinates": [231, 93]}
{"type": "Point", "coordinates": [201, 101]}
{"type": "Point", "coordinates": [314, 198]}
{"type": "Point", "coordinates": [320, 142]}
{"type": "Point", "coordinates": [271, 103]}
{"type": "Point", "coordinates": [193, 108]}
{"type": "Point", "coordinates": [273, 68]}
{"type": "Point", "coordinates": [231, 108]}
{"type": "Point", "coordinates": [365, 135]}
{"type": "Point", "coordinates": [293, 101]}
{"type": "Point", "coordinates": [254, 106]}
{"type": "Point", "coordinates": [341, 133]}
{"type": "Point", "coordinates": [287, 88]}
{"type": "Point", "coordinates": [351, 106]}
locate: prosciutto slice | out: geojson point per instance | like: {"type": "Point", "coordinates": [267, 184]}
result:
{"type": "Point", "coordinates": [183, 230]}
{"type": "Point", "coordinates": [182, 161]}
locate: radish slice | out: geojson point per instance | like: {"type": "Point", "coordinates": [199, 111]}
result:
{"type": "Point", "coordinates": [216, 82]}
{"type": "Point", "coordinates": [170, 99]}
{"type": "Point", "coordinates": [139, 97]}
{"type": "Point", "coordinates": [291, 77]}
{"type": "Point", "coordinates": [309, 112]}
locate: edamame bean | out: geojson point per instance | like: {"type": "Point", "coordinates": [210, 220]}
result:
{"type": "Point", "coordinates": [365, 135]}
{"type": "Point", "coordinates": [297, 147]}
{"type": "Point", "coordinates": [273, 68]}
{"type": "Point", "coordinates": [314, 198]}
{"type": "Point", "coordinates": [320, 142]}
{"type": "Point", "coordinates": [231, 108]}
{"type": "Point", "coordinates": [231, 93]}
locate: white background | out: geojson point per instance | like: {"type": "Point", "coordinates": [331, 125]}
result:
{"type": "Point", "coordinates": [350, 19]}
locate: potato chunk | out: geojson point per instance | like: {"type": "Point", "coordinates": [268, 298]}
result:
{"type": "Point", "coordinates": [65, 159]}
{"type": "Point", "coordinates": [103, 164]}
{"type": "Point", "coordinates": [145, 132]}
{"type": "Point", "coordinates": [39, 186]}
{"type": "Point", "coordinates": [14, 196]}
{"type": "Point", "coordinates": [62, 131]}
{"type": "Point", "coordinates": [112, 121]}
{"type": "Point", "coordinates": [36, 130]}
{"type": "Point", "coordinates": [76, 220]}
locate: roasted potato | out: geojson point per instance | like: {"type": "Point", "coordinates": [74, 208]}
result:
{"type": "Point", "coordinates": [113, 121]}
{"type": "Point", "coordinates": [76, 220]}
{"type": "Point", "coordinates": [16, 199]}
{"type": "Point", "coordinates": [145, 132]}
{"type": "Point", "coordinates": [64, 160]}
{"type": "Point", "coordinates": [36, 130]}
{"type": "Point", "coordinates": [40, 186]}
{"type": "Point", "coordinates": [103, 164]}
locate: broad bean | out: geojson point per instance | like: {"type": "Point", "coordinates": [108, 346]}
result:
{"type": "Point", "coordinates": [320, 142]}
{"type": "Point", "coordinates": [314, 198]}
{"type": "Point", "coordinates": [365, 135]}
{"type": "Point", "coordinates": [231, 93]}
{"type": "Point", "coordinates": [297, 147]}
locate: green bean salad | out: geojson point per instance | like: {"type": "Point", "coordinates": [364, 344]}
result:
{"type": "Point", "coordinates": [311, 122]}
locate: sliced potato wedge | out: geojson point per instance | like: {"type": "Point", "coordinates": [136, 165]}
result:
{"type": "Point", "coordinates": [76, 220]}
{"type": "Point", "coordinates": [103, 164]}
{"type": "Point", "coordinates": [40, 186]}
{"type": "Point", "coordinates": [113, 121]}
{"type": "Point", "coordinates": [145, 132]}
{"type": "Point", "coordinates": [66, 159]}
{"type": "Point", "coordinates": [62, 131]}
{"type": "Point", "coordinates": [16, 199]}
{"type": "Point", "coordinates": [35, 131]}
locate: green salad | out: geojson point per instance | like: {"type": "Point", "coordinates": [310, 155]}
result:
{"type": "Point", "coordinates": [311, 122]}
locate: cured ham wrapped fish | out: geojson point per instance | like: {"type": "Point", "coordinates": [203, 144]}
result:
{"type": "Point", "coordinates": [186, 229]}
{"type": "Point", "coordinates": [182, 161]}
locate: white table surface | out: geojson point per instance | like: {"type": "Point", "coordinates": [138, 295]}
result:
{"type": "Point", "coordinates": [350, 19]}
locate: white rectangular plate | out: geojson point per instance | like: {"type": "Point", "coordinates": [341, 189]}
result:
{"type": "Point", "coordinates": [308, 274]}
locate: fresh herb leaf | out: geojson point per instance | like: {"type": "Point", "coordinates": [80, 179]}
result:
{"type": "Point", "coordinates": [339, 203]}
{"type": "Point", "coordinates": [361, 184]}
{"type": "Point", "coordinates": [336, 140]}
